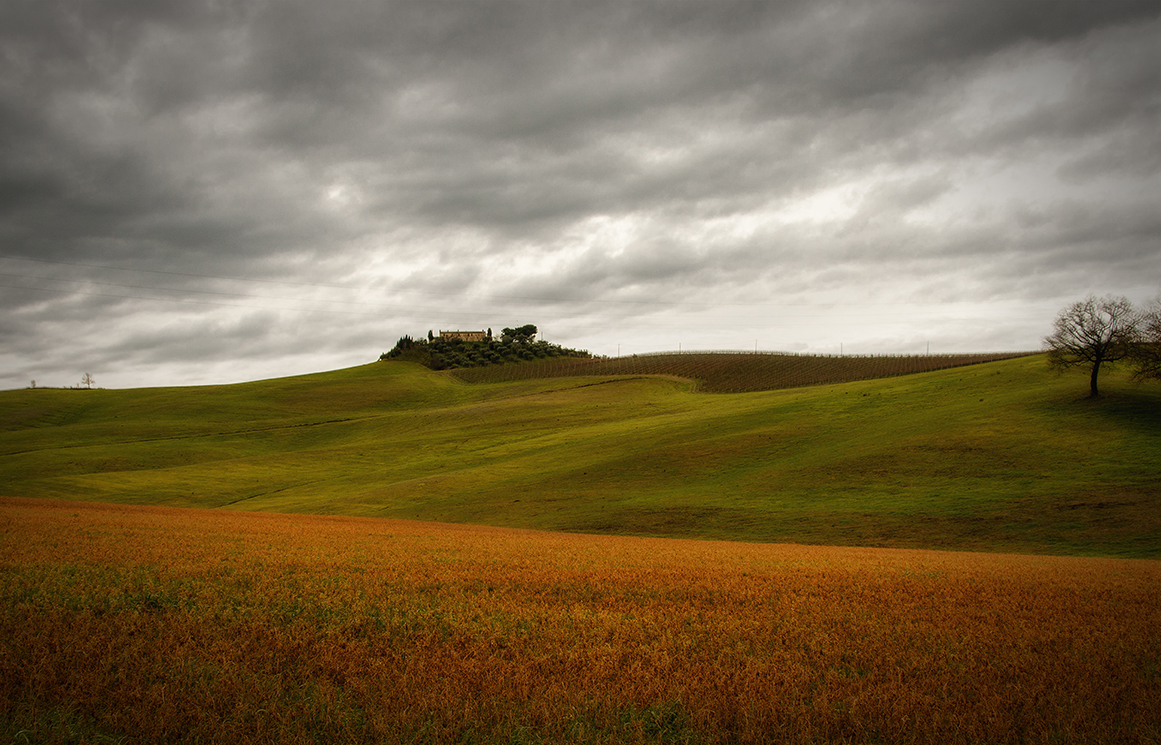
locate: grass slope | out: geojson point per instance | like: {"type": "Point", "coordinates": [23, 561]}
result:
{"type": "Point", "coordinates": [1003, 456]}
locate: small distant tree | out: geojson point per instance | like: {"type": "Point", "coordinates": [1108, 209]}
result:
{"type": "Point", "coordinates": [408, 350]}
{"type": "Point", "coordinates": [1091, 333]}
{"type": "Point", "coordinates": [523, 335]}
{"type": "Point", "coordinates": [87, 380]}
{"type": "Point", "coordinates": [1146, 355]}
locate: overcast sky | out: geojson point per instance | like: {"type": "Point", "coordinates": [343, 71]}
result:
{"type": "Point", "coordinates": [210, 192]}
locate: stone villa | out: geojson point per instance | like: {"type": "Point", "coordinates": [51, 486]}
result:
{"type": "Point", "coordinates": [464, 335]}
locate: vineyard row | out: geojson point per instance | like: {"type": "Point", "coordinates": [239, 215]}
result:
{"type": "Point", "coordinates": [736, 372]}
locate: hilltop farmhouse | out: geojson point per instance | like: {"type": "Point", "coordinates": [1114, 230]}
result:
{"type": "Point", "coordinates": [465, 335]}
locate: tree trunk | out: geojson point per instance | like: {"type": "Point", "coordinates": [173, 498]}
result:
{"type": "Point", "coordinates": [1092, 385]}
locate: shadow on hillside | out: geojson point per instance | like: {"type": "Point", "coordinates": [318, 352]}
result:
{"type": "Point", "coordinates": [1137, 406]}
{"type": "Point", "coordinates": [1120, 523]}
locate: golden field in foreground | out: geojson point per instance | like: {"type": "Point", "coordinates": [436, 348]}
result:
{"type": "Point", "coordinates": [150, 624]}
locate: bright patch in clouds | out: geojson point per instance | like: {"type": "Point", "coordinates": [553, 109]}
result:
{"type": "Point", "coordinates": [836, 204]}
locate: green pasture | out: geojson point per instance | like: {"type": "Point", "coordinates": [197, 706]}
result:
{"type": "Point", "coordinates": [1003, 456]}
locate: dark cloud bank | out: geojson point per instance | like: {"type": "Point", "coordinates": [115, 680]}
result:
{"type": "Point", "coordinates": [209, 192]}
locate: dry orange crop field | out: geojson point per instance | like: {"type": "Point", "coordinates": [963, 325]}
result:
{"type": "Point", "coordinates": [130, 624]}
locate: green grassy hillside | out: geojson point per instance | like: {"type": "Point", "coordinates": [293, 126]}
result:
{"type": "Point", "coordinates": [1001, 456]}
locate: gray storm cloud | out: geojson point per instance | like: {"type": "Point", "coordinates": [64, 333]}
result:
{"type": "Point", "coordinates": [208, 192]}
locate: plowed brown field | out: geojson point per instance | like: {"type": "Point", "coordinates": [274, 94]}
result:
{"type": "Point", "coordinates": [140, 624]}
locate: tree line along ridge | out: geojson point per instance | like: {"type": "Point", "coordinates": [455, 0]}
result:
{"type": "Point", "coordinates": [481, 357]}
{"type": "Point", "coordinates": [1089, 334]}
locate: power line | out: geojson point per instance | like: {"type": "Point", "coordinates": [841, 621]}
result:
{"type": "Point", "coordinates": [747, 322]}
{"type": "Point", "coordinates": [171, 289]}
{"type": "Point", "coordinates": [185, 300]}
{"type": "Point", "coordinates": [171, 273]}
{"type": "Point", "coordinates": [483, 298]}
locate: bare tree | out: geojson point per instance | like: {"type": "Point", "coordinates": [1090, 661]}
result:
{"type": "Point", "coordinates": [1093, 332]}
{"type": "Point", "coordinates": [87, 380]}
{"type": "Point", "coordinates": [1147, 353]}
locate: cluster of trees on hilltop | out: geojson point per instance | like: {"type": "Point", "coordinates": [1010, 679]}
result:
{"type": "Point", "coordinates": [1098, 331]}
{"type": "Point", "coordinates": [514, 345]}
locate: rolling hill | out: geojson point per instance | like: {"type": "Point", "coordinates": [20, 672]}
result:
{"type": "Point", "coordinates": [1002, 456]}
